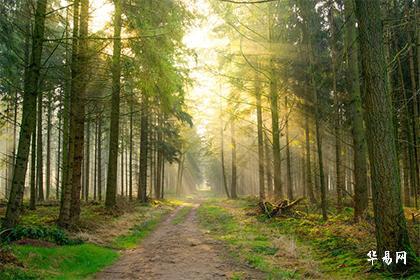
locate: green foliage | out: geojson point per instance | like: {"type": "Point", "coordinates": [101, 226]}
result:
{"type": "Point", "coordinates": [63, 262]}
{"type": "Point", "coordinates": [51, 234]}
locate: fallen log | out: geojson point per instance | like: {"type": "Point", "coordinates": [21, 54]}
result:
{"type": "Point", "coordinates": [272, 210]}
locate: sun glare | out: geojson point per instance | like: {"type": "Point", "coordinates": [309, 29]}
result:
{"type": "Point", "coordinates": [101, 14]}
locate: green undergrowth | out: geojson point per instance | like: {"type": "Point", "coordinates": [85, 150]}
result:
{"type": "Point", "coordinates": [338, 246]}
{"type": "Point", "coordinates": [245, 240]}
{"type": "Point", "coordinates": [38, 260]}
{"type": "Point", "coordinates": [138, 232]}
{"type": "Point", "coordinates": [62, 262]}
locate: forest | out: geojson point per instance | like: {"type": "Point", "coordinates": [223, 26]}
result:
{"type": "Point", "coordinates": [209, 139]}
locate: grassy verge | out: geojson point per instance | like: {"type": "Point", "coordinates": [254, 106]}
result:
{"type": "Point", "coordinates": [245, 239]}
{"type": "Point", "coordinates": [104, 235]}
{"type": "Point", "coordinates": [298, 248]}
{"type": "Point", "coordinates": [138, 232]}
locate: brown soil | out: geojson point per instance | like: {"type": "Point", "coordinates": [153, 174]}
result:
{"type": "Point", "coordinates": [178, 252]}
{"type": "Point", "coordinates": [35, 242]}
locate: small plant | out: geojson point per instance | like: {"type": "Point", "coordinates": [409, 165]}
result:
{"type": "Point", "coordinates": [50, 234]}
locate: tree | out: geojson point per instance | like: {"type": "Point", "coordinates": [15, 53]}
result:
{"type": "Point", "coordinates": [111, 183]}
{"type": "Point", "coordinates": [32, 77]}
{"type": "Point", "coordinates": [356, 115]}
{"type": "Point", "coordinates": [391, 230]}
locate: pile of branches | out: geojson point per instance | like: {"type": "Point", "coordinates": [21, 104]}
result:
{"type": "Point", "coordinates": [277, 209]}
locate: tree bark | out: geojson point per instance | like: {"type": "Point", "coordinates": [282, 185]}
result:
{"type": "Point", "coordinates": [288, 160]}
{"type": "Point", "coordinates": [144, 146]}
{"type": "Point", "coordinates": [260, 141]}
{"type": "Point", "coordinates": [308, 179]}
{"type": "Point", "coordinates": [48, 163]}
{"type": "Point", "coordinates": [233, 187]}
{"type": "Point", "coordinates": [99, 159]}
{"type": "Point", "coordinates": [87, 162]}
{"type": "Point", "coordinates": [32, 197]}
{"type": "Point", "coordinates": [39, 153]}
{"type": "Point", "coordinates": [31, 81]}
{"type": "Point", "coordinates": [130, 181]}
{"type": "Point", "coordinates": [78, 113]}
{"type": "Point", "coordinates": [68, 140]}
{"type": "Point", "coordinates": [358, 130]}
{"type": "Point", "coordinates": [391, 230]}
{"type": "Point", "coordinates": [268, 165]}
{"type": "Point", "coordinates": [111, 183]}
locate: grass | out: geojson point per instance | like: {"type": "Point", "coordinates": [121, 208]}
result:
{"type": "Point", "coordinates": [335, 249]}
{"type": "Point", "coordinates": [137, 233]}
{"type": "Point", "coordinates": [110, 233]}
{"type": "Point", "coordinates": [181, 215]}
{"type": "Point", "coordinates": [245, 240]}
{"type": "Point", "coordinates": [63, 262]}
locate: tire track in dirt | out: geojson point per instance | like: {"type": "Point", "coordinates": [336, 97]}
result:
{"type": "Point", "coordinates": [178, 252]}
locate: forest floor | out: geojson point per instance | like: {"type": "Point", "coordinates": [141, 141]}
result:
{"type": "Point", "coordinates": [300, 245]}
{"type": "Point", "coordinates": [198, 238]}
{"type": "Point", "coordinates": [178, 249]}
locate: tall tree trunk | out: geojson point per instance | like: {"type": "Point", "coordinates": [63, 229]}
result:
{"type": "Point", "coordinates": [159, 160]}
{"type": "Point", "coordinates": [32, 197]}
{"type": "Point", "coordinates": [122, 162]}
{"type": "Point", "coordinates": [144, 146]}
{"type": "Point", "coordinates": [222, 148]}
{"type": "Point", "coordinates": [87, 161]}
{"type": "Point", "coordinates": [95, 162]}
{"type": "Point", "coordinates": [111, 183]}
{"type": "Point", "coordinates": [391, 230]}
{"type": "Point", "coordinates": [39, 153]}
{"type": "Point", "coordinates": [222, 154]}
{"type": "Point", "coordinates": [162, 194]}
{"type": "Point", "coordinates": [278, 190]}
{"type": "Point", "coordinates": [337, 104]}
{"type": "Point", "coordinates": [358, 131]}
{"type": "Point", "coordinates": [414, 102]}
{"type": "Point", "coordinates": [49, 127]}
{"type": "Point", "coordinates": [58, 156]}
{"type": "Point", "coordinates": [308, 172]}
{"type": "Point", "coordinates": [130, 181]}
{"type": "Point", "coordinates": [407, 125]}
{"type": "Point", "coordinates": [288, 160]}
{"type": "Point", "coordinates": [99, 159]}
{"type": "Point", "coordinates": [268, 165]}
{"type": "Point", "coordinates": [78, 113]}
{"type": "Point", "coordinates": [320, 159]}
{"type": "Point", "coordinates": [233, 187]}
{"type": "Point", "coordinates": [28, 124]}
{"type": "Point", "coordinates": [68, 136]}
{"type": "Point", "coordinates": [261, 141]}
{"type": "Point", "coordinates": [179, 175]}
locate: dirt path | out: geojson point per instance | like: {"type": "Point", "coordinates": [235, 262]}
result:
{"type": "Point", "coordinates": [178, 251]}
